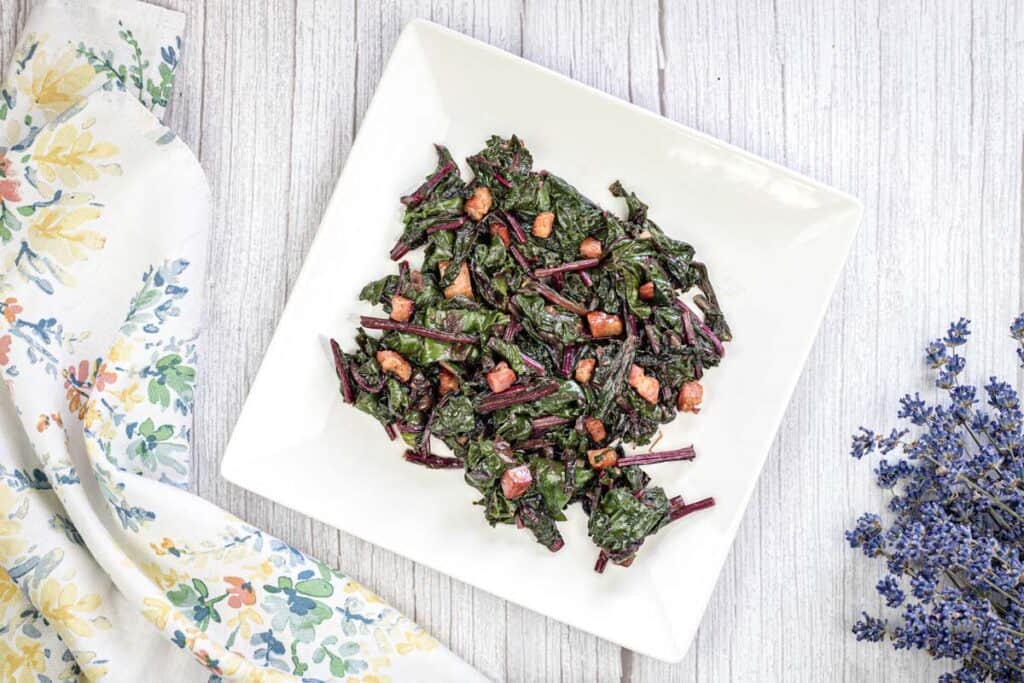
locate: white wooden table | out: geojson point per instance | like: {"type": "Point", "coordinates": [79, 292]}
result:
{"type": "Point", "coordinates": [915, 108]}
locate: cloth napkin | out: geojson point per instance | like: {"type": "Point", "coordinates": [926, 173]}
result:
{"type": "Point", "coordinates": [109, 569]}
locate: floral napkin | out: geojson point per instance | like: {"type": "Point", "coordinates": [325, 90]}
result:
{"type": "Point", "coordinates": [109, 569]}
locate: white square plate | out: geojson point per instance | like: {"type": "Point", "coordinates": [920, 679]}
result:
{"type": "Point", "coordinates": [774, 242]}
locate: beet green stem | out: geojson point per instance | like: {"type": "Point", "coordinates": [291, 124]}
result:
{"type": "Point", "coordinates": [554, 297]}
{"type": "Point", "coordinates": [420, 331]}
{"type": "Point", "coordinates": [681, 510]}
{"type": "Point", "coordinates": [517, 229]}
{"type": "Point", "coordinates": [570, 267]}
{"type": "Point", "coordinates": [719, 348]}
{"type": "Point", "coordinates": [503, 400]}
{"type": "Point", "coordinates": [424, 190]}
{"type": "Point", "coordinates": [339, 367]}
{"type": "Point", "coordinates": [434, 462]}
{"type": "Point", "coordinates": [450, 225]}
{"type": "Point", "coordinates": [686, 453]}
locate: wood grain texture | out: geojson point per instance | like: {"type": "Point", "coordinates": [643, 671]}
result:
{"type": "Point", "coordinates": [913, 107]}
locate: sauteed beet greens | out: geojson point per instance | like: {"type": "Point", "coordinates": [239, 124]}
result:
{"type": "Point", "coordinates": [540, 334]}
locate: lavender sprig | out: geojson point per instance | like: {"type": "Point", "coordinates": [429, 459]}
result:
{"type": "Point", "coordinates": [953, 543]}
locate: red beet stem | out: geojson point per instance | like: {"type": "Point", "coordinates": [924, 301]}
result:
{"type": "Point", "coordinates": [691, 338]}
{"type": "Point", "coordinates": [434, 462]}
{"type": "Point", "coordinates": [424, 190]}
{"type": "Point", "coordinates": [554, 297]}
{"type": "Point", "coordinates": [531, 445]}
{"type": "Point", "coordinates": [503, 400]}
{"type": "Point", "coordinates": [531, 362]}
{"type": "Point", "coordinates": [543, 424]}
{"type": "Point", "coordinates": [519, 258]}
{"type": "Point", "coordinates": [652, 339]}
{"type": "Point", "coordinates": [420, 331]}
{"type": "Point", "coordinates": [502, 179]}
{"type": "Point", "coordinates": [719, 348]}
{"type": "Point", "coordinates": [568, 355]}
{"type": "Point", "coordinates": [339, 368]}
{"type": "Point", "coordinates": [570, 267]}
{"type": "Point", "coordinates": [399, 250]}
{"type": "Point", "coordinates": [537, 366]}
{"type": "Point", "coordinates": [517, 229]}
{"type": "Point", "coordinates": [390, 429]}
{"type": "Point", "coordinates": [585, 276]}
{"type": "Point", "coordinates": [450, 225]}
{"type": "Point", "coordinates": [602, 561]}
{"type": "Point", "coordinates": [678, 511]}
{"type": "Point", "coordinates": [512, 329]}
{"type": "Point", "coordinates": [363, 384]}
{"type": "Point", "coordinates": [686, 453]}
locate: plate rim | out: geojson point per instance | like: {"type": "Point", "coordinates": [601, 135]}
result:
{"type": "Point", "coordinates": [850, 215]}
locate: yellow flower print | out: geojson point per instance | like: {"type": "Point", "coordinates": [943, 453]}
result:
{"type": "Point", "coordinates": [259, 572]}
{"type": "Point", "coordinates": [106, 430]}
{"type": "Point", "coordinates": [244, 620]}
{"type": "Point", "coordinates": [55, 86]}
{"type": "Point", "coordinates": [416, 640]}
{"type": "Point", "coordinates": [266, 676]}
{"type": "Point", "coordinates": [121, 350]}
{"type": "Point", "coordinates": [61, 604]}
{"type": "Point", "coordinates": [92, 415]}
{"type": "Point", "coordinates": [11, 541]}
{"type": "Point", "coordinates": [21, 663]}
{"type": "Point", "coordinates": [69, 155]}
{"type": "Point", "coordinates": [164, 579]}
{"type": "Point", "coordinates": [368, 678]}
{"type": "Point", "coordinates": [157, 611]}
{"type": "Point", "coordinates": [368, 597]}
{"type": "Point", "coordinates": [8, 589]}
{"type": "Point", "coordinates": [166, 546]}
{"type": "Point", "coordinates": [129, 397]}
{"type": "Point", "coordinates": [58, 231]}
{"type": "Point", "coordinates": [83, 663]}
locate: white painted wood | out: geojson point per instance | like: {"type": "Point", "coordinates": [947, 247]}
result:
{"type": "Point", "coordinates": [915, 108]}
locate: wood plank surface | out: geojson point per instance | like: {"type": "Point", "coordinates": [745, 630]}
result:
{"type": "Point", "coordinates": [913, 107]}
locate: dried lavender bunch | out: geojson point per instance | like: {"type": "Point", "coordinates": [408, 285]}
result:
{"type": "Point", "coordinates": [954, 547]}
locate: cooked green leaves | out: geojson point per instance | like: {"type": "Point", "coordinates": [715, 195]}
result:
{"type": "Point", "coordinates": [540, 335]}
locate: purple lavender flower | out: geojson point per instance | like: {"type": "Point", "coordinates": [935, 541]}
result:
{"type": "Point", "coordinates": [862, 443]}
{"type": "Point", "coordinates": [935, 354]}
{"type": "Point", "coordinates": [889, 588]}
{"type": "Point", "coordinates": [958, 332]}
{"type": "Point", "coordinates": [869, 628]}
{"type": "Point", "coordinates": [1017, 328]}
{"type": "Point", "coordinates": [953, 540]}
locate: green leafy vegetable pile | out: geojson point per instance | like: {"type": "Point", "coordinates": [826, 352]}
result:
{"type": "Point", "coordinates": [539, 335]}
